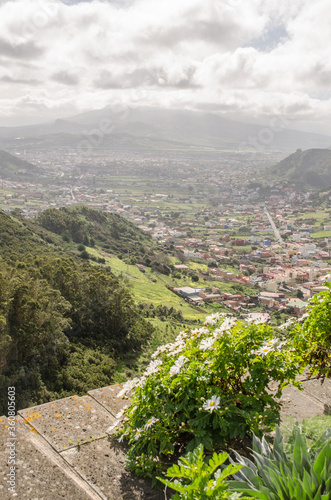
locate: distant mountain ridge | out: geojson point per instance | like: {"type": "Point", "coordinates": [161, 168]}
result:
{"type": "Point", "coordinates": [143, 127]}
{"type": "Point", "coordinates": [306, 169]}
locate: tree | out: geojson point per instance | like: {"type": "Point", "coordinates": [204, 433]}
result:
{"type": "Point", "coordinates": [32, 324]}
{"type": "Point", "coordinates": [85, 255]}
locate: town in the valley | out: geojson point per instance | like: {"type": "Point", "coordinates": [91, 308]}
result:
{"type": "Point", "coordinates": [228, 223]}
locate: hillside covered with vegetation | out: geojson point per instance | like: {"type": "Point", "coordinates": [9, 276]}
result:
{"type": "Point", "coordinates": [66, 321]}
{"type": "Point", "coordinates": [306, 169]}
{"type": "Point", "coordinates": [12, 167]}
{"type": "Point", "coordinates": [111, 232]}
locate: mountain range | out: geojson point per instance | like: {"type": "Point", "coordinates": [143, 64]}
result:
{"type": "Point", "coordinates": [154, 128]}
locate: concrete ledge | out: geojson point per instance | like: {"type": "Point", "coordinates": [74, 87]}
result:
{"type": "Point", "coordinates": [107, 397]}
{"type": "Point", "coordinates": [40, 472]}
{"type": "Point", "coordinates": [70, 421]}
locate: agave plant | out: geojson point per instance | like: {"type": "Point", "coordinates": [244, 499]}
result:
{"type": "Point", "coordinates": [300, 475]}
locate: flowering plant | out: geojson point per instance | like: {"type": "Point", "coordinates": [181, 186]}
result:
{"type": "Point", "coordinates": [209, 387]}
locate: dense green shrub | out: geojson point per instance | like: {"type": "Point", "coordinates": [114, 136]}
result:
{"type": "Point", "coordinates": [312, 336]}
{"type": "Point", "coordinates": [209, 387]}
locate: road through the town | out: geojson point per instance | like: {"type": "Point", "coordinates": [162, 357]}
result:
{"type": "Point", "coordinates": [273, 225]}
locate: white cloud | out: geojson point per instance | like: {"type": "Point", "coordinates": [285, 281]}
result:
{"type": "Point", "coordinates": [257, 57]}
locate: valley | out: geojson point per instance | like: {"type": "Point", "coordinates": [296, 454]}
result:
{"type": "Point", "coordinates": [216, 218]}
{"type": "Point", "coordinates": [187, 231]}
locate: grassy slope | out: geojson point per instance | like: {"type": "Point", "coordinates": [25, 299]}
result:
{"type": "Point", "coordinates": [321, 234]}
{"type": "Point", "coordinates": [145, 290]}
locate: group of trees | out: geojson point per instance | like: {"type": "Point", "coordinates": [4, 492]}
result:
{"type": "Point", "coordinates": [160, 311]}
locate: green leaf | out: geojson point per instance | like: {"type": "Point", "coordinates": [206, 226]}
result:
{"type": "Point", "coordinates": [320, 461]}
{"type": "Point", "coordinates": [300, 452]}
{"type": "Point", "coordinates": [308, 483]}
{"type": "Point", "coordinates": [240, 487]}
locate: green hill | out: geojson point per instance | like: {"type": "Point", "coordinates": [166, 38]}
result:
{"type": "Point", "coordinates": [306, 169]}
{"type": "Point", "coordinates": [12, 167]}
{"type": "Point", "coordinates": [110, 232]}
{"type": "Point", "coordinates": [72, 229]}
{"type": "Point", "coordinates": [65, 323]}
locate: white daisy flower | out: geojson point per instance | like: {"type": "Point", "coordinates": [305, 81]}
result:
{"type": "Point", "coordinates": [175, 370]}
{"type": "Point", "coordinates": [218, 333]}
{"type": "Point", "coordinates": [159, 351]}
{"type": "Point", "coordinates": [177, 351]}
{"type": "Point", "coordinates": [137, 434]}
{"type": "Point", "coordinates": [171, 347]}
{"type": "Point", "coordinates": [270, 343]}
{"type": "Point", "coordinates": [303, 317]}
{"type": "Point", "coordinates": [264, 350]}
{"type": "Point", "coordinates": [179, 363]}
{"type": "Point", "coordinates": [212, 404]}
{"type": "Point", "coordinates": [128, 386]}
{"type": "Point", "coordinates": [176, 345]}
{"type": "Point", "coordinates": [199, 331]}
{"type": "Point", "coordinates": [153, 367]}
{"type": "Point", "coordinates": [182, 336]}
{"type": "Point", "coordinates": [119, 415]}
{"type": "Point", "coordinates": [120, 439]}
{"type": "Point", "coordinates": [260, 320]}
{"type": "Point", "coordinates": [287, 324]}
{"type": "Point", "coordinates": [228, 323]}
{"type": "Point", "coordinates": [207, 343]}
{"type": "Point", "coordinates": [150, 422]}
{"type": "Point", "coordinates": [168, 347]}
{"type": "Point", "coordinates": [210, 322]}
{"type": "Point", "coordinates": [196, 333]}
{"type": "Point", "coordinates": [213, 318]}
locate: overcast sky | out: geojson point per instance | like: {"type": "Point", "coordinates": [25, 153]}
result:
{"type": "Point", "coordinates": [250, 58]}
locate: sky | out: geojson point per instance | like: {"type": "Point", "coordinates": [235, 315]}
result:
{"type": "Point", "coordinates": [245, 59]}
